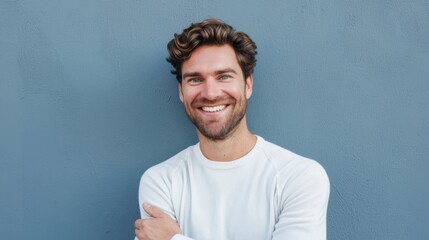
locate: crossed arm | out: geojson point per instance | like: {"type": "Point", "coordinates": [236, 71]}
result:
{"type": "Point", "coordinates": [302, 216]}
{"type": "Point", "coordinates": [159, 226]}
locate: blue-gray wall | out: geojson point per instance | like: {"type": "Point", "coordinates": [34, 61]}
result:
{"type": "Point", "coordinates": [87, 103]}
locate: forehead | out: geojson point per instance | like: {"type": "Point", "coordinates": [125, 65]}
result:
{"type": "Point", "coordinates": [210, 58]}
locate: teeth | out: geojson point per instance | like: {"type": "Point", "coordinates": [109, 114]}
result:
{"type": "Point", "coordinates": [213, 109]}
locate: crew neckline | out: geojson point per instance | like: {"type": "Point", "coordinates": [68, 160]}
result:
{"type": "Point", "coordinates": [199, 156]}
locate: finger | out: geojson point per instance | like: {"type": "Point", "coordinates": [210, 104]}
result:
{"type": "Point", "coordinates": [138, 229]}
{"type": "Point", "coordinates": [153, 211]}
{"type": "Point", "coordinates": [138, 224]}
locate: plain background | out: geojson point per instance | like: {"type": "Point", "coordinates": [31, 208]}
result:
{"type": "Point", "coordinates": [87, 104]}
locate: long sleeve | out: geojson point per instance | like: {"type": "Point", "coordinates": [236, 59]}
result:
{"type": "Point", "coordinates": [303, 205]}
{"type": "Point", "coordinates": [155, 188]}
{"type": "Point", "coordinates": [269, 194]}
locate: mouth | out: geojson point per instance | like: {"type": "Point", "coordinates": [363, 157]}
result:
{"type": "Point", "coordinates": [217, 108]}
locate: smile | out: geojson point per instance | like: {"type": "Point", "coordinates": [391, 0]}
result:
{"type": "Point", "coordinates": [213, 109]}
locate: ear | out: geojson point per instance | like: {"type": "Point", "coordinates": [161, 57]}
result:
{"type": "Point", "coordinates": [249, 86]}
{"type": "Point", "coordinates": [179, 87]}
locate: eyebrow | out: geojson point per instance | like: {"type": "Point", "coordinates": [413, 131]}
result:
{"type": "Point", "coordinates": [226, 70]}
{"type": "Point", "coordinates": [217, 72]}
{"type": "Point", "coordinates": [191, 74]}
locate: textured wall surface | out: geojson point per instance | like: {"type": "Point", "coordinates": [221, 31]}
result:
{"type": "Point", "coordinates": [87, 103]}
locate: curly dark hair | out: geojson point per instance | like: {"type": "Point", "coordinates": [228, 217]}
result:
{"type": "Point", "coordinates": [211, 32]}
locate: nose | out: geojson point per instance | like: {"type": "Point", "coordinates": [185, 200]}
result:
{"type": "Point", "coordinates": [210, 89]}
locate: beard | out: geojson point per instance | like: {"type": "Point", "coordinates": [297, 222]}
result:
{"type": "Point", "coordinates": [221, 130]}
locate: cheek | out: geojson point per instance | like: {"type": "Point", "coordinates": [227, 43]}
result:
{"type": "Point", "coordinates": [188, 96]}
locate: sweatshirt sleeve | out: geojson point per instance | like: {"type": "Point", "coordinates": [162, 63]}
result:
{"type": "Point", "coordinates": [303, 203]}
{"type": "Point", "coordinates": [155, 189]}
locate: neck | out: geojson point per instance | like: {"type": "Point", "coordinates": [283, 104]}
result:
{"type": "Point", "coordinates": [238, 144]}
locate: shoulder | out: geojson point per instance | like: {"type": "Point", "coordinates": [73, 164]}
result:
{"type": "Point", "coordinates": [156, 183]}
{"type": "Point", "coordinates": [301, 196]}
{"type": "Point", "coordinates": [292, 167]}
{"type": "Point", "coordinates": [166, 168]}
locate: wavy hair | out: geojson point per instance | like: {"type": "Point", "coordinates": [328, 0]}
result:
{"type": "Point", "coordinates": [211, 32]}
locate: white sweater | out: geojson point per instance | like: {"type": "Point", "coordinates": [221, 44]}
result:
{"type": "Point", "coordinates": [270, 193]}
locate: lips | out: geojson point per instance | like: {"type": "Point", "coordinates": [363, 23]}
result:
{"type": "Point", "coordinates": [213, 108]}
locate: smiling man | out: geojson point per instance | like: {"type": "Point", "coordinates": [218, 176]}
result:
{"type": "Point", "coordinates": [232, 184]}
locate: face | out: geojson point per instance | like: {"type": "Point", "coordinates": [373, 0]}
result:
{"type": "Point", "coordinates": [214, 91]}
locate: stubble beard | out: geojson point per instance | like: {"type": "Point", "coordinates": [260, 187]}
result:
{"type": "Point", "coordinates": [226, 129]}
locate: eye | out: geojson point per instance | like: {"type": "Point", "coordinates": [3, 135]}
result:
{"type": "Point", "coordinates": [224, 77]}
{"type": "Point", "coordinates": [194, 80]}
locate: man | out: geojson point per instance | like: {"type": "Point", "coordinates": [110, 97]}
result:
{"type": "Point", "coordinates": [232, 184]}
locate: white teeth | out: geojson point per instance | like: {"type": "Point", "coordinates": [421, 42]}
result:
{"type": "Point", "coordinates": [213, 109]}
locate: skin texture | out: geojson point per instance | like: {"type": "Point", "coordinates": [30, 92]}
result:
{"type": "Point", "coordinates": [212, 78]}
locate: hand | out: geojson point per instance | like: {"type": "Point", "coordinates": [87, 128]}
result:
{"type": "Point", "coordinates": [159, 227]}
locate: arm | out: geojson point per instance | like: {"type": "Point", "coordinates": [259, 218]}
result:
{"type": "Point", "coordinates": [157, 222]}
{"type": "Point", "coordinates": [159, 226]}
{"type": "Point", "coordinates": [303, 203]}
